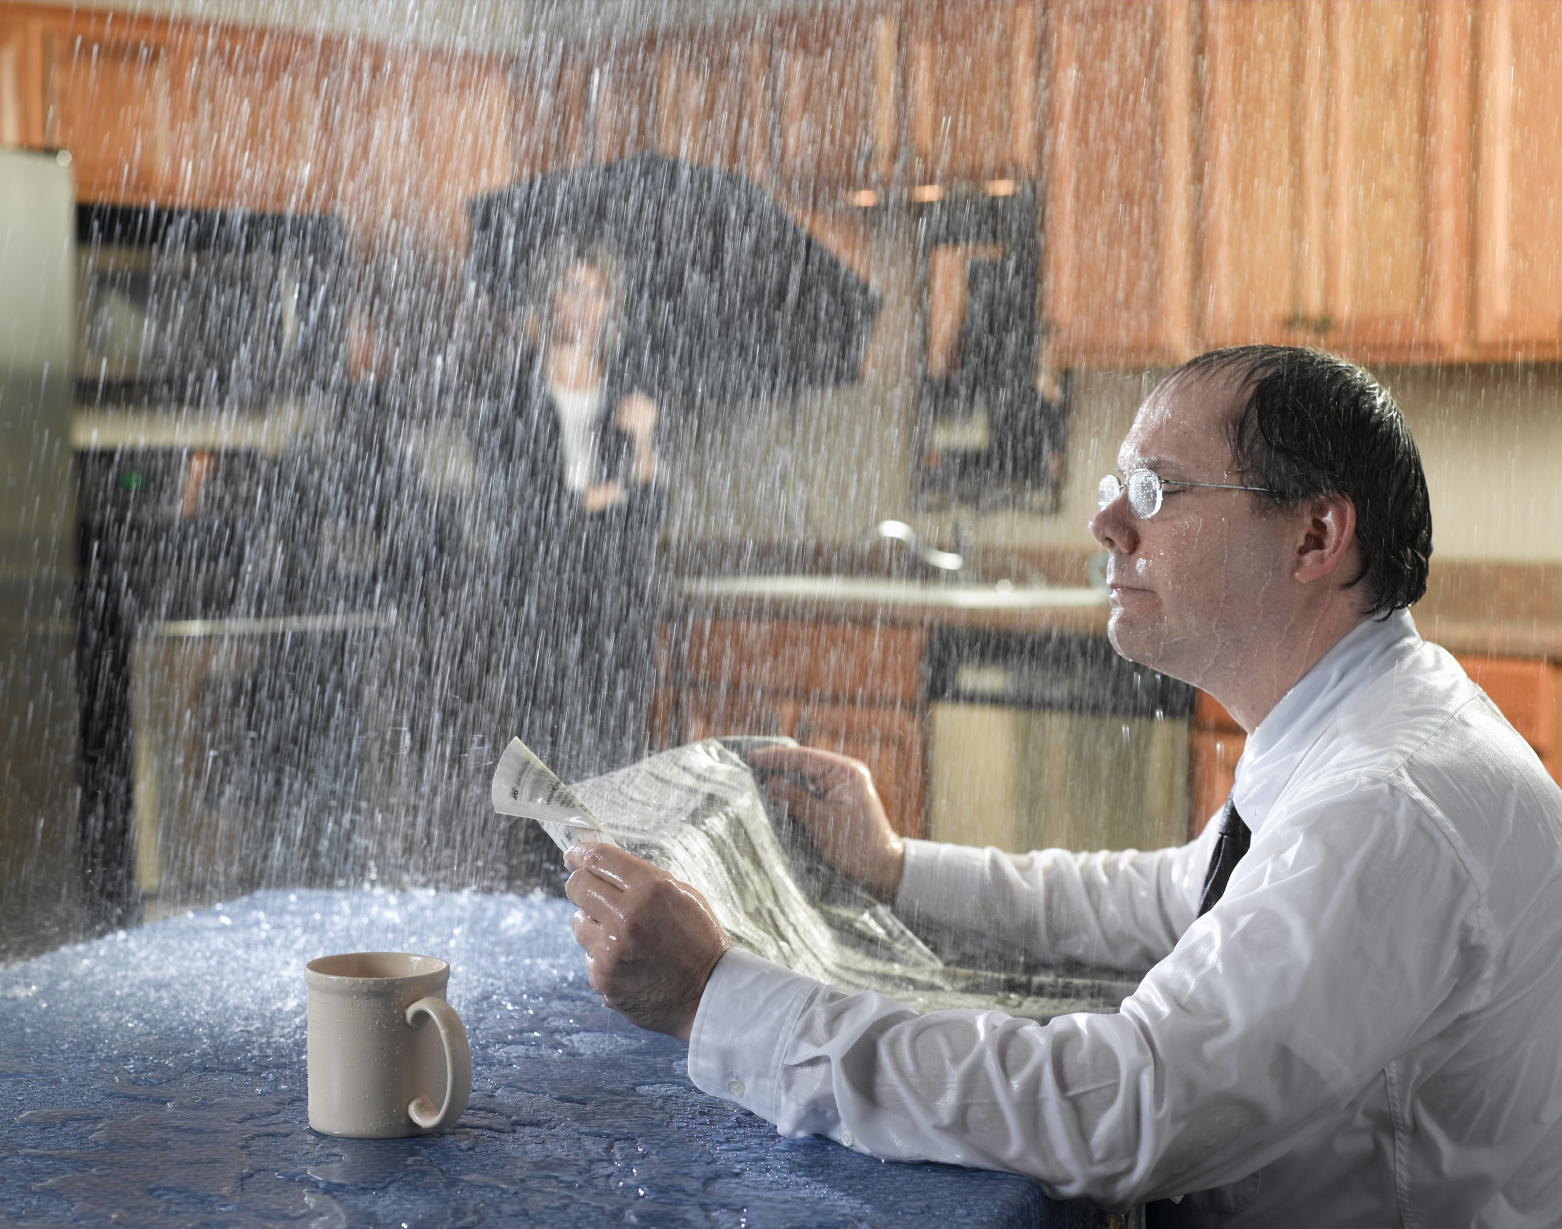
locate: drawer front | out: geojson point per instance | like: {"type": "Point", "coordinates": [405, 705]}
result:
{"type": "Point", "coordinates": [844, 661]}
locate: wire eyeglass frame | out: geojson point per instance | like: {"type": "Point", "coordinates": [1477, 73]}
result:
{"type": "Point", "coordinates": [1146, 490]}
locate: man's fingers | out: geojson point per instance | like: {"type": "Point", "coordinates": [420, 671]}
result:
{"type": "Point", "coordinates": [580, 887]}
{"type": "Point", "coordinates": [598, 899]}
{"type": "Point", "coordinates": [616, 866]}
{"type": "Point", "coordinates": [826, 770]}
{"type": "Point", "coordinates": [810, 761]}
{"type": "Point", "coordinates": [802, 802]}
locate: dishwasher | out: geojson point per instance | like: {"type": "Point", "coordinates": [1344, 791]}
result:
{"type": "Point", "coordinates": [1052, 740]}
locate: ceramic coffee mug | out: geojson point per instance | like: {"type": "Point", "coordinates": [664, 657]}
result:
{"type": "Point", "coordinates": [387, 1055]}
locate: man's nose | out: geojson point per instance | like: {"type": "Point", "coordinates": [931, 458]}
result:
{"type": "Point", "coordinates": [1115, 527]}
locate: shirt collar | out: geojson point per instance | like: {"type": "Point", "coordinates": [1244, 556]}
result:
{"type": "Point", "coordinates": [1283, 738]}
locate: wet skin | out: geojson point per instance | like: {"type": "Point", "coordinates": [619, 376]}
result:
{"type": "Point", "coordinates": [1220, 588]}
{"type": "Point", "coordinates": [651, 941]}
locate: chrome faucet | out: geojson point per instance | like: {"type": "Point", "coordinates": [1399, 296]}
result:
{"type": "Point", "coordinates": [899, 531]}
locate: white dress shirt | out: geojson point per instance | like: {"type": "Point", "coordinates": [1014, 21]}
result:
{"type": "Point", "coordinates": [1366, 1030]}
{"type": "Point", "coordinates": [580, 424]}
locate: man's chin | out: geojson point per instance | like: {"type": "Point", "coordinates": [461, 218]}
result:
{"type": "Point", "coordinates": [1132, 639]}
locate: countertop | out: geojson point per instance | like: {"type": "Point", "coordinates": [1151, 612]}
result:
{"type": "Point", "coordinates": [1494, 607]}
{"type": "Point", "coordinates": [156, 1077]}
{"type": "Point", "coordinates": [899, 602]}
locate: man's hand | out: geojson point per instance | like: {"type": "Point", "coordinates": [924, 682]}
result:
{"type": "Point", "coordinates": [651, 941]}
{"type": "Point", "coordinates": [842, 812]}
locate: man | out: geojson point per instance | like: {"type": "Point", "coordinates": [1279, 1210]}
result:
{"type": "Point", "coordinates": [1355, 1021]}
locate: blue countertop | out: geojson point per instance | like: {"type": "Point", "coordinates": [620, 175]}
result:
{"type": "Point", "coordinates": [156, 1077]}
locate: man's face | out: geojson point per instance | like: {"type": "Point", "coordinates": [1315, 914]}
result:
{"type": "Point", "coordinates": [1201, 585]}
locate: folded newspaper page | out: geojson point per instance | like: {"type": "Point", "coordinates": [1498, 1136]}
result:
{"type": "Point", "coordinates": [525, 786]}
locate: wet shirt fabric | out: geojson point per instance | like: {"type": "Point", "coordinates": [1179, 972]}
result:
{"type": "Point", "coordinates": [579, 416]}
{"type": "Point", "coordinates": [1365, 1030]}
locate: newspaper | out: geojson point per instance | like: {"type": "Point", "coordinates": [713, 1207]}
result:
{"type": "Point", "coordinates": [526, 787]}
{"type": "Point", "coordinates": [700, 813]}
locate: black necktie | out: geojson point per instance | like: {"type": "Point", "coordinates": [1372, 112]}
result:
{"type": "Point", "coordinates": [1229, 848]}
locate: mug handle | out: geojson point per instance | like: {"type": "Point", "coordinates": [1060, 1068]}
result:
{"type": "Point", "coordinates": [458, 1065]}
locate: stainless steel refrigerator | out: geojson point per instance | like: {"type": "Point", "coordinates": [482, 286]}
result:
{"type": "Point", "coordinates": [39, 747]}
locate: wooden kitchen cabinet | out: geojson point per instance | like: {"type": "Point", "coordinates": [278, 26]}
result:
{"type": "Point", "coordinates": [1380, 178]}
{"type": "Point", "coordinates": [1120, 146]}
{"type": "Point", "coordinates": [826, 103]}
{"type": "Point", "coordinates": [22, 110]}
{"type": "Point", "coordinates": [860, 96]}
{"type": "Point", "coordinates": [549, 99]}
{"type": "Point", "coordinates": [1336, 176]}
{"type": "Point", "coordinates": [1518, 264]}
{"type": "Point", "coordinates": [848, 687]}
{"type": "Point", "coordinates": [710, 102]}
{"type": "Point", "coordinates": [622, 103]}
{"type": "Point", "coordinates": [971, 84]}
{"type": "Point", "coordinates": [409, 148]}
{"type": "Point", "coordinates": [257, 134]}
{"type": "Point", "coordinates": [112, 93]}
{"type": "Point", "coordinates": [1251, 222]}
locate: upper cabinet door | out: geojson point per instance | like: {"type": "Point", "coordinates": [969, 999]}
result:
{"type": "Point", "coordinates": [1117, 228]}
{"type": "Point", "coordinates": [705, 106]}
{"type": "Point", "coordinates": [1518, 259]}
{"type": "Point", "coordinates": [112, 96]}
{"type": "Point", "coordinates": [1336, 156]}
{"type": "Point", "coordinates": [1390, 219]}
{"type": "Point", "coordinates": [971, 91]}
{"type": "Point", "coordinates": [257, 141]}
{"type": "Point", "coordinates": [823, 72]}
{"type": "Point", "coordinates": [1251, 276]}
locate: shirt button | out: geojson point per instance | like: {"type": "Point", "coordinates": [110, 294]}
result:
{"type": "Point", "coordinates": [735, 1086]}
{"type": "Point", "coordinates": [846, 1139]}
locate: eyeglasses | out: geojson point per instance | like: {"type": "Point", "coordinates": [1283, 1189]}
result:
{"type": "Point", "coordinates": [1146, 489]}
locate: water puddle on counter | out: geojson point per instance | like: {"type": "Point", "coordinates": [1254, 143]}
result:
{"type": "Point", "coordinates": [157, 1076]}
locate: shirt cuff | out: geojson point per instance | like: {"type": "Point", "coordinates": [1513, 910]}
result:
{"type": "Point", "coordinates": [944, 883]}
{"type": "Point", "coordinates": [741, 1031]}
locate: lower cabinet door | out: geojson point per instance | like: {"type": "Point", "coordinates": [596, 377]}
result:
{"type": "Point", "coordinates": [714, 712]}
{"type": "Point", "coordinates": [1212, 761]}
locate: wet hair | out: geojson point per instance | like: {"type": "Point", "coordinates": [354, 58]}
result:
{"type": "Point", "coordinates": [1313, 424]}
{"type": "Point", "coordinates": [547, 270]}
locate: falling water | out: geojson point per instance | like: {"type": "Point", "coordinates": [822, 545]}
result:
{"type": "Point", "coordinates": [319, 580]}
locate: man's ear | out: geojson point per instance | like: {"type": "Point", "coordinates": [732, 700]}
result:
{"type": "Point", "coordinates": [1327, 540]}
